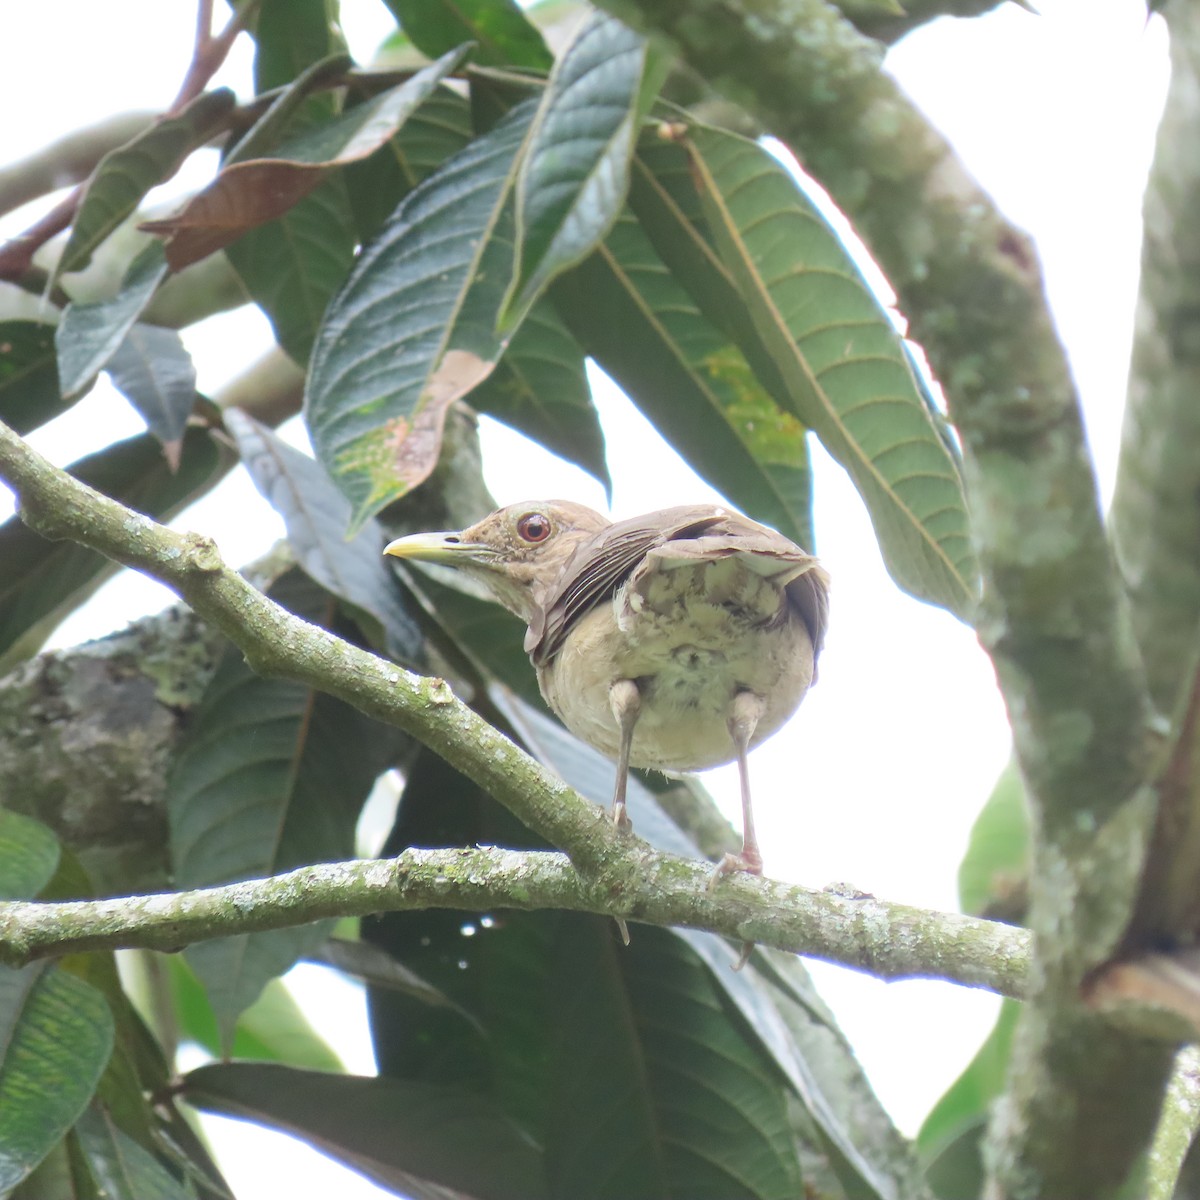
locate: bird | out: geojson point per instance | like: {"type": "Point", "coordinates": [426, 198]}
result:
{"type": "Point", "coordinates": [674, 641]}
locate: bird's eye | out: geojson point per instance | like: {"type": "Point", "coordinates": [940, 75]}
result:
{"type": "Point", "coordinates": [534, 527]}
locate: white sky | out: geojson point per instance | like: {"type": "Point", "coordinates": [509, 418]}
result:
{"type": "Point", "coordinates": [878, 779]}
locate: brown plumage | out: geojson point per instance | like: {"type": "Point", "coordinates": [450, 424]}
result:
{"type": "Point", "coordinates": [676, 640]}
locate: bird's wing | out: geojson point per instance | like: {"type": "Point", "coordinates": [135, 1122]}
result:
{"type": "Point", "coordinates": [766, 552]}
{"type": "Point", "coordinates": [602, 564]}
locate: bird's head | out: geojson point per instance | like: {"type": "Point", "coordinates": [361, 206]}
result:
{"type": "Point", "coordinates": [517, 552]}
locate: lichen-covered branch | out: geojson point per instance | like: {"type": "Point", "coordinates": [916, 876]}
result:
{"type": "Point", "coordinates": [1054, 616]}
{"type": "Point", "coordinates": [614, 874]}
{"type": "Point", "coordinates": [1155, 516]}
{"type": "Point", "coordinates": [891, 941]}
{"type": "Point", "coordinates": [278, 643]}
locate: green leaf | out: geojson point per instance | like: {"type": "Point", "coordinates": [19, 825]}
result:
{"type": "Point", "coordinates": [54, 1179]}
{"type": "Point", "coordinates": [540, 388]}
{"type": "Point", "coordinates": [993, 878]}
{"type": "Point", "coordinates": [438, 129]}
{"type": "Point", "coordinates": [271, 775]}
{"type": "Point", "coordinates": [840, 361]}
{"type": "Point", "coordinates": [44, 581]}
{"type": "Point", "coordinates": [29, 391]}
{"type": "Point", "coordinates": [414, 327]}
{"type": "Point", "coordinates": [56, 1034]}
{"type": "Point", "coordinates": [292, 266]}
{"type": "Point", "coordinates": [503, 34]}
{"type": "Point", "coordinates": [248, 192]}
{"type": "Point", "coordinates": [690, 380]}
{"type": "Point", "coordinates": [316, 515]}
{"type": "Point", "coordinates": [154, 372]}
{"type": "Point", "coordinates": [401, 1134]}
{"type": "Point", "coordinates": [125, 175]}
{"type": "Point", "coordinates": [295, 40]}
{"type": "Point", "coordinates": [575, 171]}
{"type": "Point", "coordinates": [89, 334]}
{"type": "Point", "coordinates": [272, 1029]}
{"type": "Point", "coordinates": [122, 1169]}
{"type": "Point", "coordinates": [28, 856]}
{"type": "Point", "coordinates": [371, 965]}
{"type": "Point", "coordinates": [951, 1139]}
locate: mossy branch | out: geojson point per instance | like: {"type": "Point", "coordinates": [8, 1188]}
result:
{"type": "Point", "coordinates": [606, 872]}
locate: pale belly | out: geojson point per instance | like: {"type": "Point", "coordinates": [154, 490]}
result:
{"type": "Point", "coordinates": [688, 670]}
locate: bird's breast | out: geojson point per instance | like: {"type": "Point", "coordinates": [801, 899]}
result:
{"type": "Point", "coordinates": [691, 637]}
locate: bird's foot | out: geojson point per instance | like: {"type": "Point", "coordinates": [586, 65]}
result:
{"type": "Point", "coordinates": [621, 817]}
{"type": "Point", "coordinates": [749, 861]}
{"type": "Point", "coordinates": [623, 930]}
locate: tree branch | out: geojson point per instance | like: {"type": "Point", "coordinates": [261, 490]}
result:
{"type": "Point", "coordinates": [891, 941]}
{"type": "Point", "coordinates": [1155, 515]}
{"type": "Point", "coordinates": [276, 643]}
{"type": "Point", "coordinates": [616, 875]}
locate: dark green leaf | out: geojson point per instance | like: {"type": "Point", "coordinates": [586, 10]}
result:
{"type": "Point", "coordinates": [540, 388]}
{"type": "Point", "coordinates": [89, 334]}
{"type": "Point", "coordinates": [607, 1046]}
{"type": "Point", "coordinates": [56, 1034]}
{"type": "Point", "coordinates": [503, 34]}
{"type": "Point", "coordinates": [29, 391]}
{"type": "Point", "coordinates": [592, 775]}
{"type": "Point", "coordinates": [400, 1134]}
{"type": "Point", "coordinates": [363, 129]}
{"type": "Point", "coordinates": [372, 966]}
{"type": "Point", "coordinates": [292, 266]}
{"type": "Point", "coordinates": [122, 1169]}
{"type": "Point", "coordinates": [28, 856]}
{"type": "Point", "coordinates": [124, 176]}
{"type": "Point", "coordinates": [846, 375]}
{"type": "Point", "coordinates": [291, 37]}
{"type": "Point", "coordinates": [575, 171]}
{"type": "Point", "coordinates": [271, 775]}
{"type": "Point", "coordinates": [316, 515]}
{"type": "Point", "coordinates": [690, 380]}
{"type": "Point", "coordinates": [439, 128]}
{"type": "Point", "coordinates": [414, 327]}
{"type": "Point", "coordinates": [54, 1178]}
{"type": "Point", "coordinates": [154, 372]}
{"type": "Point", "coordinates": [43, 581]}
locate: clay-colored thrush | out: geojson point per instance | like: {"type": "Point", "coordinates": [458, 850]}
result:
{"type": "Point", "coordinates": [676, 641]}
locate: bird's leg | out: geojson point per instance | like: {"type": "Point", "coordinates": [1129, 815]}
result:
{"type": "Point", "coordinates": [743, 720]}
{"type": "Point", "coordinates": [626, 702]}
{"type": "Point", "coordinates": [746, 712]}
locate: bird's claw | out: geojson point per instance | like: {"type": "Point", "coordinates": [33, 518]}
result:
{"type": "Point", "coordinates": [749, 862]}
{"type": "Point", "coordinates": [621, 817]}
